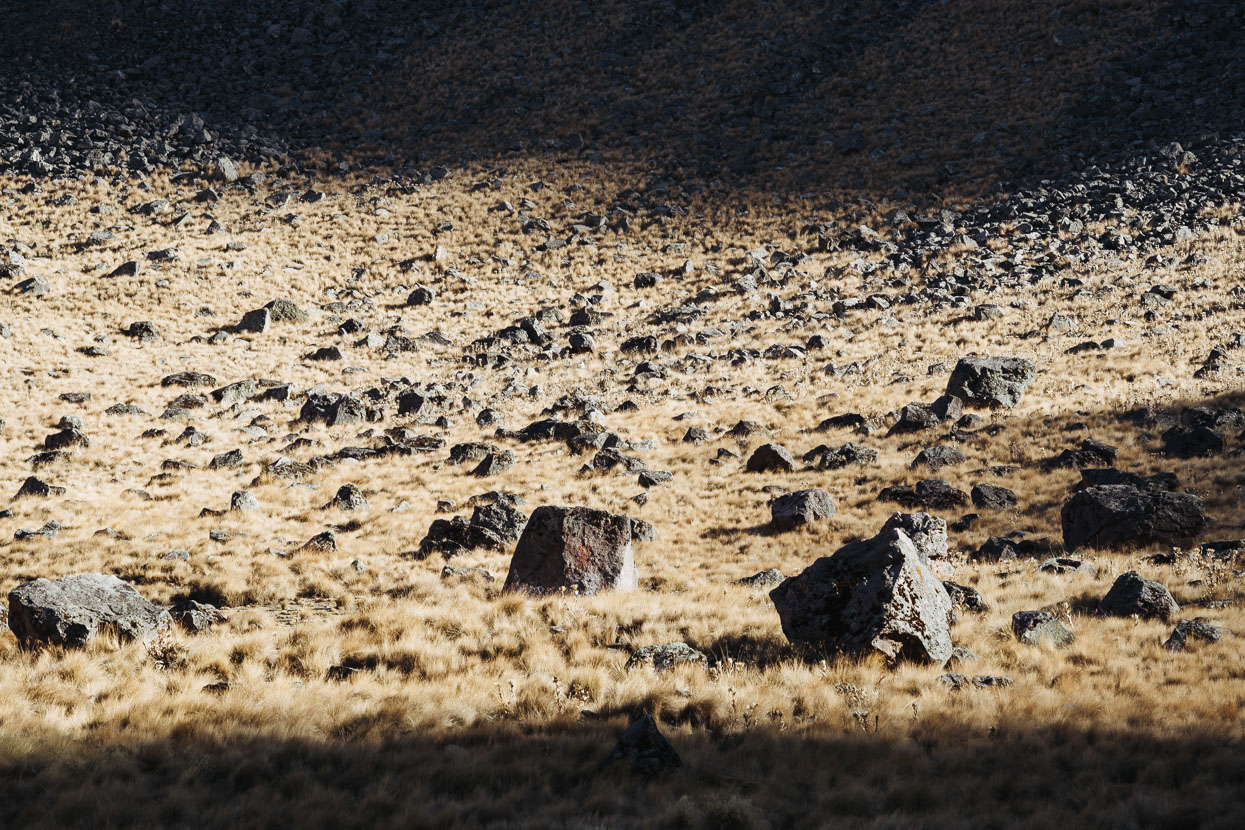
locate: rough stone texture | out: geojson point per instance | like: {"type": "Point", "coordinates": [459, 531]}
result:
{"type": "Point", "coordinates": [1133, 594]}
{"type": "Point", "coordinates": [665, 657]}
{"type": "Point", "coordinates": [1118, 516]}
{"type": "Point", "coordinates": [1198, 629]}
{"type": "Point", "coordinates": [992, 497]}
{"type": "Point", "coordinates": [575, 548]}
{"type": "Point", "coordinates": [1036, 627]}
{"type": "Point", "coordinates": [771, 458]}
{"type": "Point", "coordinates": [803, 507]}
{"type": "Point", "coordinates": [878, 593]}
{"type": "Point", "coordinates": [644, 749]}
{"type": "Point", "coordinates": [71, 611]}
{"type": "Point", "coordinates": [991, 381]}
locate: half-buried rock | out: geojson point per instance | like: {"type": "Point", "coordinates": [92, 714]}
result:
{"type": "Point", "coordinates": [803, 507]}
{"type": "Point", "coordinates": [876, 594]}
{"type": "Point", "coordinates": [575, 548]}
{"type": "Point", "coordinates": [1121, 516]}
{"type": "Point", "coordinates": [991, 381]}
{"type": "Point", "coordinates": [73, 610]}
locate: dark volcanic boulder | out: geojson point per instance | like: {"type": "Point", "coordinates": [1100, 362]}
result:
{"type": "Point", "coordinates": [1117, 516]}
{"type": "Point", "coordinates": [72, 610]}
{"type": "Point", "coordinates": [1133, 594]}
{"type": "Point", "coordinates": [991, 381]}
{"type": "Point", "coordinates": [573, 548]}
{"type": "Point", "coordinates": [1192, 441]}
{"type": "Point", "coordinates": [878, 593]}
{"type": "Point", "coordinates": [1198, 629]}
{"type": "Point", "coordinates": [992, 497]}
{"type": "Point", "coordinates": [771, 458]}
{"type": "Point", "coordinates": [803, 507]}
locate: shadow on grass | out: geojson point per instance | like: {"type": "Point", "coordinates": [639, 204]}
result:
{"type": "Point", "coordinates": [867, 99]}
{"type": "Point", "coordinates": [377, 773]}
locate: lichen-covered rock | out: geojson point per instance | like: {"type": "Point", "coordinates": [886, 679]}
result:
{"type": "Point", "coordinates": [71, 611]}
{"type": "Point", "coordinates": [803, 507]}
{"type": "Point", "coordinates": [877, 594]}
{"type": "Point", "coordinates": [576, 548]}
{"type": "Point", "coordinates": [1036, 627]}
{"type": "Point", "coordinates": [1118, 515]}
{"type": "Point", "coordinates": [991, 381]}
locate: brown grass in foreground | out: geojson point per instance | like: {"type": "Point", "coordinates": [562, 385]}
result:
{"type": "Point", "coordinates": [475, 709]}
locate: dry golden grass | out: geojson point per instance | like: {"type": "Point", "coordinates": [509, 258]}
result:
{"type": "Point", "coordinates": [477, 709]}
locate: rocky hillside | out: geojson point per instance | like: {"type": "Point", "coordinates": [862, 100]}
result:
{"type": "Point", "coordinates": [621, 415]}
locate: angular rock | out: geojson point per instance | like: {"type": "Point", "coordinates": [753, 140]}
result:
{"type": "Point", "coordinates": [771, 458]}
{"type": "Point", "coordinates": [573, 548]}
{"type": "Point", "coordinates": [876, 594]}
{"type": "Point", "coordinates": [71, 611]}
{"type": "Point", "coordinates": [1119, 516]}
{"type": "Point", "coordinates": [803, 507]}
{"type": "Point", "coordinates": [991, 381]}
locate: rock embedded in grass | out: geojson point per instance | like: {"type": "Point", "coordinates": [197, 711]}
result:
{"type": "Point", "coordinates": [997, 382]}
{"type": "Point", "coordinates": [73, 610]}
{"type": "Point", "coordinates": [803, 507]}
{"type": "Point", "coordinates": [1037, 627]}
{"type": "Point", "coordinates": [1121, 516]}
{"type": "Point", "coordinates": [1134, 595]}
{"type": "Point", "coordinates": [876, 594]}
{"type": "Point", "coordinates": [573, 548]}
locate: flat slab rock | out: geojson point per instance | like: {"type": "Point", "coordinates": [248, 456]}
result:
{"type": "Point", "coordinates": [71, 611]}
